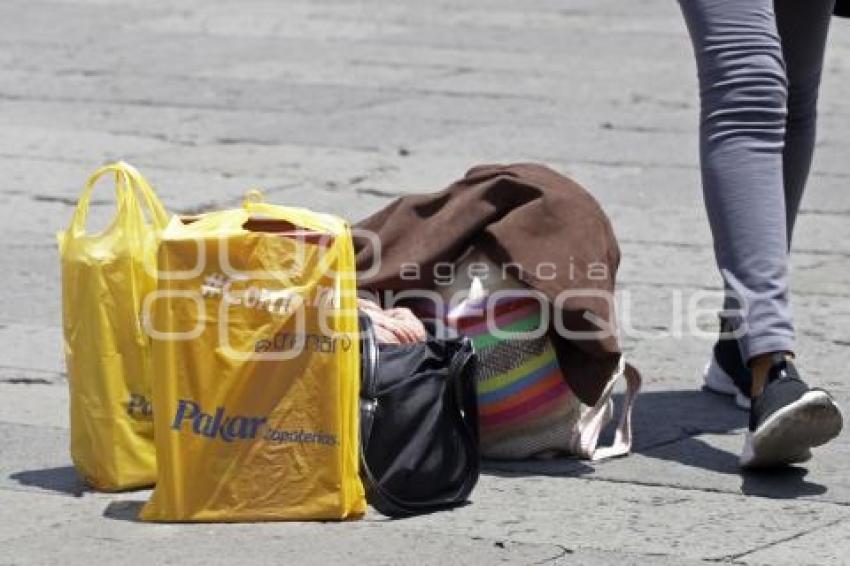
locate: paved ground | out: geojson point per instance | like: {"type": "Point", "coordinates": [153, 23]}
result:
{"type": "Point", "coordinates": [341, 105]}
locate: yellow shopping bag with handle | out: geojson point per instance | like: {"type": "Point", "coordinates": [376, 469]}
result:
{"type": "Point", "coordinates": [257, 364]}
{"type": "Point", "coordinates": [105, 277]}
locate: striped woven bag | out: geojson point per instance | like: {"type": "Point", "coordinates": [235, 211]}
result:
{"type": "Point", "coordinates": [526, 408]}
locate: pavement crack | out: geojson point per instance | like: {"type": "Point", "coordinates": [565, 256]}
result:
{"type": "Point", "coordinates": [638, 129]}
{"type": "Point", "coordinates": [562, 551]}
{"type": "Point", "coordinates": [55, 374]}
{"type": "Point", "coordinates": [473, 94]}
{"type": "Point", "coordinates": [68, 201]}
{"type": "Point", "coordinates": [143, 103]}
{"type": "Point", "coordinates": [664, 243]}
{"type": "Point", "coordinates": [244, 141]}
{"type": "Point", "coordinates": [712, 490]}
{"type": "Point", "coordinates": [686, 434]}
{"type": "Point", "coordinates": [26, 381]}
{"type": "Point", "coordinates": [820, 212]}
{"type": "Point", "coordinates": [378, 193]}
{"type": "Point", "coordinates": [739, 555]}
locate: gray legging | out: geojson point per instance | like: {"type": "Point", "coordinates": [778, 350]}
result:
{"type": "Point", "coordinates": [759, 64]}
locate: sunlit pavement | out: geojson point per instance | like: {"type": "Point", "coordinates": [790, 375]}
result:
{"type": "Point", "coordinates": [341, 106]}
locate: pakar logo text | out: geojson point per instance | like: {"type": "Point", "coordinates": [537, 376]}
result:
{"type": "Point", "coordinates": [230, 428]}
{"type": "Point", "coordinates": [218, 424]}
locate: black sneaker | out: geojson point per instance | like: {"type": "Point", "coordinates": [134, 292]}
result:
{"type": "Point", "coordinates": [727, 373]}
{"type": "Point", "coordinates": [788, 418]}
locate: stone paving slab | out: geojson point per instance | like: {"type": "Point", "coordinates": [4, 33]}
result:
{"type": "Point", "coordinates": [710, 462]}
{"type": "Point", "coordinates": [684, 267]}
{"type": "Point", "coordinates": [566, 512]}
{"type": "Point", "coordinates": [827, 545]}
{"type": "Point", "coordinates": [278, 97]}
{"type": "Point", "coordinates": [36, 404]}
{"type": "Point", "coordinates": [36, 457]}
{"type": "Point", "coordinates": [99, 528]}
{"type": "Point", "coordinates": [629, 517]}
{"type": "Point", "coordinates": [40, 463]}
{"type": "Point", "coordinates": [33, 349]}
{"type": "Point", "coordinates": [228, 126]}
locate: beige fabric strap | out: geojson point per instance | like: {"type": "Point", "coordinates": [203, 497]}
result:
{"type": "Point", "coordinates": [595, 419]}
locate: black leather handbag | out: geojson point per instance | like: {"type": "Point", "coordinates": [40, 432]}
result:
{"type": "Point", "coordinates": [418, 423]}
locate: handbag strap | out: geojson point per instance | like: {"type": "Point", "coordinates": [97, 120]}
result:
{"type": "Point", "coordinates": [594, 420]}
{"type": "Point", "coordinates": [368, 373]}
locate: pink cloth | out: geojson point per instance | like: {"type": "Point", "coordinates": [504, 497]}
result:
{"type": "Point", "coordinates": [394, 326]}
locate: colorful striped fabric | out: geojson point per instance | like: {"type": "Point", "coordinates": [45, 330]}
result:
{"type": "Point", "coordinates": [526, 408]}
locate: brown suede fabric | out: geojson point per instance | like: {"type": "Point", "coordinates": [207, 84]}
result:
{"type": "Point", "coordinates": [523, 214]}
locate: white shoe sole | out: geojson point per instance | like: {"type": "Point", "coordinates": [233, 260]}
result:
{"type": "Point", "coordinates": [786, 436]}
{"type": "Point", "coordinates": [717, 380]}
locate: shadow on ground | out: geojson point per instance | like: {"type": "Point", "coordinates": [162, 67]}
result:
{"type": "Point", "coordinates": [63, 479]}
{"type": "Point", "coordinates": [124, 510]}
{"type": "Point", "coordinates": [667, 427]}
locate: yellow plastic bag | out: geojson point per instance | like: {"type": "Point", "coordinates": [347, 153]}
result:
{"type": "Point", "coordinates": [105, 277]}
{"type": "Point", "coordinates": [256, 357]}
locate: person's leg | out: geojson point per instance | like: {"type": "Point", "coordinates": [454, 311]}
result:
{"type": "Point", "coordinates": [803, 28]}
{"type": "Point", "coordinates": [743, 93]}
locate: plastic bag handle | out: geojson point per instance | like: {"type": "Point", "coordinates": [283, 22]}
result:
{"type": "Point", "coordinates": [159, 216]}
{"type": "Point", "coordinates": [127, 181]}
{"type": "Point", "coordinates": [78, 221]}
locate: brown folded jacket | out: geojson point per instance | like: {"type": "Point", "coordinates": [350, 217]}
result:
{"type": "Point", "coordinates": [521, 214]}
